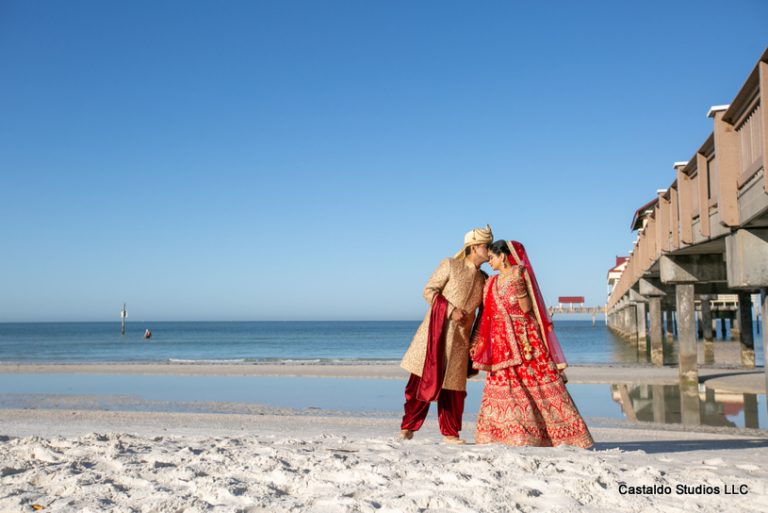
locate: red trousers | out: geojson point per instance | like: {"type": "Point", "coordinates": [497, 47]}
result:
{"type": "Point", "coordinates": [450, 408]}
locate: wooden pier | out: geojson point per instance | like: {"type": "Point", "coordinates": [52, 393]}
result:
{"type": "Point", "coordinates": [702, 245]}
{"type": "Point", "coordinates": [589, 310]}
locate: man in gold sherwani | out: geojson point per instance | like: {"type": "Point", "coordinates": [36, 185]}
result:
{"type": "Point", "coordinates": [458, 285]}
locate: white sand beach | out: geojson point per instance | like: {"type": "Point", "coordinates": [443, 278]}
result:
{"type": "Point", "coordinates": [110, 461]}
{"type": "Point", "coordinates": [282, 460]}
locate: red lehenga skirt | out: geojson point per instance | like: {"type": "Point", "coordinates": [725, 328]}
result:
{"type": "Point", "coordinates": [528, 404]}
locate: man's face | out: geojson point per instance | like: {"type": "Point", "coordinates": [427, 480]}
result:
{"type": "Point", "coordinates": [481, 250]}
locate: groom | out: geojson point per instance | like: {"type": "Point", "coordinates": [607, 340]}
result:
{"type": "Point", "coordinates": [438, 354]}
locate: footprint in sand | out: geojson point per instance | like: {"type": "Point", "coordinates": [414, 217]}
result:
{"type": "Point", "coordinates": [10, 471]}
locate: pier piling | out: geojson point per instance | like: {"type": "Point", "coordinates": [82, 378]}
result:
{"type": "Point", "coordinates": [690, 404]}
{"type": "Point", "coordinates": [764, 301]}
{"type": "Point", "coordinates": [687, 353]}
{"type": "Point", "coordinates": [746, 338]}
{"type": "Point", "coordinates": [642, 330]}
{"type": "Point", "coordinates": [735, 325]}
{"type": "Point", "coordinates": [653, 291]}
{"type": "Point", "coordinates": [659, 404]}
{"type": "Point", "coordinates": [670, 330]}
{"type": "Point", "coordinates": [706, 328]}
{"type": "Point", "coordinates": [657, 346]}
{"type": "Point", "coordinates": [750, 412]}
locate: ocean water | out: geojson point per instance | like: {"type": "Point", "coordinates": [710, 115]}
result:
{"type": "Point", "coordinates": [237, 342]}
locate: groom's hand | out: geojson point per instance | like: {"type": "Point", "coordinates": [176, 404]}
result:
{"type": "Point", "coordinates": [458, 315]}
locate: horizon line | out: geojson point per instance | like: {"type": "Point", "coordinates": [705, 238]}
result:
{"type": "Point", "coordinates": [237, 320]}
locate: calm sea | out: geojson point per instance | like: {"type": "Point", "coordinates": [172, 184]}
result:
{"type": "Point", "coordinates": [262, 341]}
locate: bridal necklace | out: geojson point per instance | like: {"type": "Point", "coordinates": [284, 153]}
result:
{"type": "Point", "coordinates": [506, 272]}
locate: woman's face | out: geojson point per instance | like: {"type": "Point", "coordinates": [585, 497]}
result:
{"type": "Point", "coordinates": [495, 261]}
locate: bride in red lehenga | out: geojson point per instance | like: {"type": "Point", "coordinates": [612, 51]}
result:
{"type": "Point", "coordinates": [524, 401]}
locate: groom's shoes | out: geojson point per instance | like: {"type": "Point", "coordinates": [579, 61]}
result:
{"type": "Point", "coordinates": [455, 440]}
{"type": "Point", "coordinates": [406, 434]}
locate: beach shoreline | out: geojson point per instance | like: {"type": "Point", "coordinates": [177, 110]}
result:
{"type": "Point", "coordinates": [730, 379]}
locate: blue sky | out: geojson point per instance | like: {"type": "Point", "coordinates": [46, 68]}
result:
{"type": "Point", "coordinates": [316, 160]}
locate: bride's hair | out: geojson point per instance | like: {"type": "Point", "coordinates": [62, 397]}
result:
{"type": "Point", "coordinates": [499, 248]}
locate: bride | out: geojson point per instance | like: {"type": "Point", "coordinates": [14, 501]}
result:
{"type": "Point", "coordinates": [525, 401]}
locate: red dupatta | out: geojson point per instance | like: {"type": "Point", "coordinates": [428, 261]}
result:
{"type": "Point", "coordinates": [483, 352]}
{"type": "Point", "coordinates": [520, 257]}
{"type": "Point", "coordinates": [434, 364]}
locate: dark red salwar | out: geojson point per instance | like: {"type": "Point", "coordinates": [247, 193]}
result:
{"type": "Point", "coordinates": [420, 391]}
{"type": "Point", "coordinates": [450, 408]}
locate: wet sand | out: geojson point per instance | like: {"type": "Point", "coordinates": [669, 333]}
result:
{"type": "Point", "coordinates": [726, 379]}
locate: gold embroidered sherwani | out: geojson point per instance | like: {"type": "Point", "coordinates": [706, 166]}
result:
{"type": "Point", "coordinates": [462, 285]}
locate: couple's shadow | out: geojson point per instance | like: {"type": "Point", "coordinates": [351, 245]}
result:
{"type": "Point", "coordinates": [662, 446]}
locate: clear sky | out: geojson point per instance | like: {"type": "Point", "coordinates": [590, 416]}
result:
{"type": "Point", "coordinates": [315, 160]}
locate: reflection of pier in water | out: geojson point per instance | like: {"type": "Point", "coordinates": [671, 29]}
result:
{"type": "Point", "coordinates": [685, 404]}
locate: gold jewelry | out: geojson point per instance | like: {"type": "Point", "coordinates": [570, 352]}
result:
{"type": "Point", "coordinates": [506, 274]}
{"type": "Point", "coordinates": [519, 288]}
{"type": "Point", "coordinates": [527, 349]}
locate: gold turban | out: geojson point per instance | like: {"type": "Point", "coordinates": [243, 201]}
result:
{"type": "Point", "coordinates": [476, 236]}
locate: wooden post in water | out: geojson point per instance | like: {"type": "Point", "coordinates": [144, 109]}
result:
{"type": "Point", "coordinates": [687, 351]}
{"type": "Point", "coordinates": [690, 404]}
{"type": "Point", "coordinates": [750, 411]}
{"type": "Point", "coordinates": [736, 322]}
{"type": "Point", "coordinates": [643, 326]}
{"type": "Point", "coordinates": [699, 328]}
{"type": "Point", "coordinates": [764, 302]}
{"type": "Point", "coordinates": [659, 404]}
{"type": "Point", "coordinates": [706, 328]}
{"type": "Point", "coordinates": [669, 325]}
{"type": "Point", "coordinates": [123, 315]}
{"type": "Point", "coordinates": [657, 332]}
{"type": "Point", "coordinates": [744, 315]}
{"type": "Point", "coordinates": [654, 292]}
